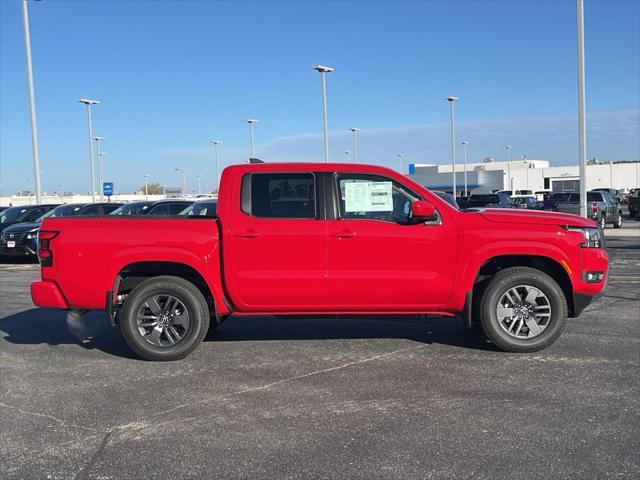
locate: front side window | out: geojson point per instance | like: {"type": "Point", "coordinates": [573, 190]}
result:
{"type": "Point", "coordinates": [372, 197]}
{"type": "Point", "coordinates": [281, 195]}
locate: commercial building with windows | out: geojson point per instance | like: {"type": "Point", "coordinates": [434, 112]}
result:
{"type": "Point", "coordinates": [535, 175]}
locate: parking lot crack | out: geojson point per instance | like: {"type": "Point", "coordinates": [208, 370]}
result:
{"type": "Point", "coordinates": [59, 421]}
{"type": "Point", "coordinates": [83, 473]}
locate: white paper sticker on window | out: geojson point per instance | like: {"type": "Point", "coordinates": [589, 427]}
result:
{"type": "Point", "coordinates": [368, 197]}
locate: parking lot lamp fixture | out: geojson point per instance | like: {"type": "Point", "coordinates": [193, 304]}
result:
{"type": "Point", "coordinates": [184, 180]}
{"type": "Point", "coordinates": [509, 183]}
{"type": "Point", "coordinates": [251, 121]}
{"type": "Point", "coordinates": [451, 101]}
{"type": "Point", "coordinates": [215, 149]}
{"type": "Point", "coordinates": [464, 149]}
{"type": "Point", "coordinates": [32, 100]}
{"type": "Point", "coordinates": [354, 131]}
{"type": "Point", "coordinates": [323, 70]}
{"type": "Point", "coordinates": [89, 103]}
{"type": "Point", "coordinates": [146, 187]}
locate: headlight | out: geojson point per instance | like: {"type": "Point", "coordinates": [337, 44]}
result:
{"type": "Point", "coordinates": [32, 234]}
{"type": "Point", "coordinates": [592, 236]}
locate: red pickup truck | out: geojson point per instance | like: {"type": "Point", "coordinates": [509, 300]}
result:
{"type": "Point", "coordinates": [302, 238]}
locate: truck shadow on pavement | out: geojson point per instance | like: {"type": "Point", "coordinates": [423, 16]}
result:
{"type": "Point", "coordinates": [50, 327]}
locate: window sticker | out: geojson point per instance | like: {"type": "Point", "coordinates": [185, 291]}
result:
{"type": "Point", "coordinates": [368, 197]}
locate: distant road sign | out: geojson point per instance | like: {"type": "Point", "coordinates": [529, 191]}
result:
{"type": "Point", "coordinates": [107, 188]}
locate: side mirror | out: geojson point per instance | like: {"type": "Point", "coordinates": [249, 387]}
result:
{"type": "Point", "coordinates": [422, 211]}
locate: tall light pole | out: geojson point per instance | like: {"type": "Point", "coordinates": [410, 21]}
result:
{"type": "Point", "coordinates": [251, 121]}
{"type": "Point", "coordinates": [61, 192]}
{"type": "Point", "coordinates": [355, 145]}
{"type": "Point", "coordinates": [401, 157]}
{"type": "Point", "coordinates": [89, 103]}
{"type": "Point", "coordinates": [323, 72]}
{"type": "Point", "coordinates": [29, 189]}
{"type": "Point", "coordinates": [347, 155]}
{"type": "Point", "coordinates": [184, 180]}
{"type": "Point", "coordinates": [451, 101]}
{"type": "Point", "coordinates": [509, 184]}
{"type": "Point", "coordinates": [464, 149]}
{"type": "Point", "coordinates": [146, 187]}
{"type": "Point", "coordinates": [199, 177]}
{"type": "Point", "coordinates": [215, 149]}
{"type": "Point", "coordinates": [100, 173]}
{"type": "Point", "coordinates": [582, 126]}
{"type": "Point", "coordinates": [100, 169]}
{"type": "Point", "coordinates": [32, 100]}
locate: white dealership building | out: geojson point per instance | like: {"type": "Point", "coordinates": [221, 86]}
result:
{"type": "Point", "coordinates": [535, 175]}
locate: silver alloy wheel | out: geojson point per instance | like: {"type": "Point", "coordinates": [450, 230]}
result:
{"type": "Point", "coordinates": [523, 312]}
{"type": "Point", "coordinates": [603, 221]}
{"type": "Point", "coordinates": [162, 320]}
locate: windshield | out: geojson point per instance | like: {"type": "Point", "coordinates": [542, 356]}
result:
{"type": "Point", "coordinates": [136, 208]}
{"type": "Point", "coordinates": [13, 214]}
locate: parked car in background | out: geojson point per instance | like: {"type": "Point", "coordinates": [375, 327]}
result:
{"type": "Point", "coordinates": [516, 193]}
{"type": "Point", "coordinates": [634, 203]}
{"type": "Point", "coordinates": [601, 206]}
{"type": "Point", "coordinates": [621, 195]}
{"type": "Point", "coordinates": [133, 208]}
{"type": "Point", "coordinates": [447, 197]}
{"type": "Point", "coordinates": [543, 195]}
{"type": "Point", "coordinates": [530, 202]}
{"type": "Point", "coordinates": [491, 200]}
{"type": "Point", "coordinates": [202, 208]}
{"type": "Point", "coordinates": [551, 202]}
{"type": "Point", "coordinates": [2, 209]}
{"type": "Point", "coordinates": [463, 202]}
{"type": "Point", "coordinates": [27, 213]}
{"type": "Point", "coordinates": [21, 239]}
{"type": "Point", "coordinates": [169, 207]}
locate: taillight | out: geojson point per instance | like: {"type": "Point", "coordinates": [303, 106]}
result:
{"type": "Point", "coordinates": [594, 207]}
{"type": "Point", "coordinates": [44, 247]}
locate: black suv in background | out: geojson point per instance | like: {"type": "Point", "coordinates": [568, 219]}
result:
{"type": "Point", "coordinates": [21, 239]}
{"type": "Point", "coordinates": [27, 213]}
{"type": "Point", "coordinates": [160, 207]}
{"type": "Point", "coordinates": [491, 200]}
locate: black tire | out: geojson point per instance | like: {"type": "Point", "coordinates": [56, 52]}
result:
{"type": "Point", "coordinates": [510, 278]}
{"type": "Point", "coordinates": [192, 300]}
{"type": "Point", "coordinates": [618, 223]}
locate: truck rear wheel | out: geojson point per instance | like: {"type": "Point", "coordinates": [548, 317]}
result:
{"type": "Point", "coordinates": [618, 223]}
{"type": "Point", "coordinates": [164, 318]}
{"type": "Point", "coordinates": [523, 310]}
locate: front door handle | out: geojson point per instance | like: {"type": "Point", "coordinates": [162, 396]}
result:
{"type": "Point", "coordinates": [345, 234]}
{"type": "Point", "coordinates": [248, 234]}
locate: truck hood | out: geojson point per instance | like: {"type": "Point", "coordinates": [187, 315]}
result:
{"type": "Point", "coordinates": [534, 217]}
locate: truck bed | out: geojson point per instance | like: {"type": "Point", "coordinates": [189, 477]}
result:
{"type": "Point", "coordinates": [89, 252]}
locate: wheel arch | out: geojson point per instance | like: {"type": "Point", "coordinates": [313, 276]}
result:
{"type": "Point", "coordinates": [132, 274]}
{"type": "Point", "coordinates": [547, 265]}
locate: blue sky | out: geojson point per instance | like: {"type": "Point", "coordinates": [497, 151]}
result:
{"type": "Point", "coordinates": [173, 75]}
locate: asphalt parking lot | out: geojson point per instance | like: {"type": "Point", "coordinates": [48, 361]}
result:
{"type": "Point", "coordinates": [267, 398]}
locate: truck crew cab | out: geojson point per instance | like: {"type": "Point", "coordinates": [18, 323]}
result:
{"type": "Point", "coordinates": [302, 238]}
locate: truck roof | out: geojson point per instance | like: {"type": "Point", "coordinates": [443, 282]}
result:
{"type": "Point", "coordinates": [308, 166]}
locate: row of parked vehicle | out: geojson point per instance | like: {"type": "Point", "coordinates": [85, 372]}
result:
{"type": "Point", "coordinates": [19, 225]}
{"type": "Point", "coordinates": [604, 207]}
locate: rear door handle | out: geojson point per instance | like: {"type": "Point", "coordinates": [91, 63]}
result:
{"type": "Point", "coordinates": [345, 234]}
{"type": "Point", "coordinates": [248, 234]}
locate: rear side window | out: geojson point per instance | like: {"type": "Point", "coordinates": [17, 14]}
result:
{"type": "Point", "coordinates": [92, 210]}
{"type": "Point", "coordinates": [106, 209]}
{"type": "Point", "coordinates": [485, 199]}
{"type": "Point", "coordinates": [279, 195]}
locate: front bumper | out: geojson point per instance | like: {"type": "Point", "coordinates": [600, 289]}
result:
{"type": "Point", "coordinates": [22, 248]}
{"type": "Point", "coordinates": [47, 294]}
{"type": "Point", "coordinates": [592, 260]}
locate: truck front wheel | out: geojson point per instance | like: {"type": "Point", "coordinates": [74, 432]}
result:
{"type": "Point", "coordinates": [523, 310]}
{"type": "Point", "coordinates": [164, 318]}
